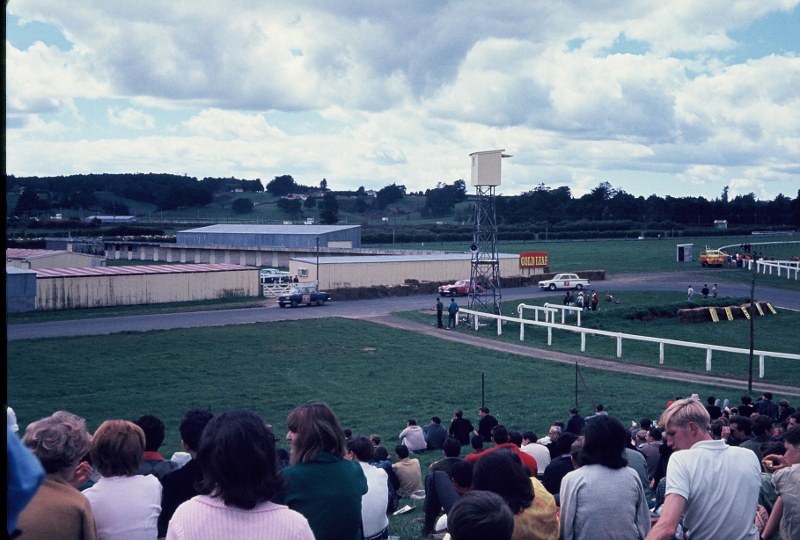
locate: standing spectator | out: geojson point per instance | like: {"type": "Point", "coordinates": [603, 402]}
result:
{"type": "Point", "coordinates": [786, 481]}
{"type": "Point", "coordinates": [320, 483]}
{"type": "Point", "coordinates": [439, 312]}
{"type": "Point", "coordinates": [696, 470]}
{"type": "Point", "coordinates": [452, 311]}
{"type": "Point", "coordinates": [595, 300]}
{"type": "Point", "coordinates": [179, 486]}
{"type": "Point", "coordinates": [460, 427]}
{"type": "Point", "coordinates": [125, 504]}
{"type": "Point", "coordinates": [58, 509]}
{"type": "Point", "coordinates": [152, 462]}
{"type": "Point", "coordinates": [240, 478]}
{"type": "Point", "coordinates": [689, 293]}
{"type": "Point", "coordinates": [603, 498]}
{"type": "Point", "coordinates": [704, 291]}
{"type": "Point", "coordinates": [485, 424]}
{"type": "Point", "coordinates": [375, 501]}
{"type": "Point", "coordinates": [408, 471]}
{"type": "Point", "coordinates": [715, 290]}
{"type": "Point", "coordinates": [435, 433]}
{"type": "Point", "coordinates": [413, 437]}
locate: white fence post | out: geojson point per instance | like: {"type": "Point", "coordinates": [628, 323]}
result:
{"type": "Point", "coordinates": [661, 352]}
{"type": "Point", "coordinates": [708, 359]}
{"type": "Point", "coordinates": [521, 331]}
{"type": "Point", "coordinates": [619, 346]}
{"type": "Point", "coordinates": [583, 341]}
{"type": "Point", "coordinates": [549, 335]}
{"type": "Point", "coordinates": [499, 327]}
{"type": "Point", "coordinates": [760, 366]}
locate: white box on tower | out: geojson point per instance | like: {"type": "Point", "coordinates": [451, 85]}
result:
{"type": "Point", "coordinates": [486, 167]}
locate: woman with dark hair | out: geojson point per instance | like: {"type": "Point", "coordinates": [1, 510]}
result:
{"type": "Point", "coordinates": [534, 509]}
{"type": "Point", "coordinates": [320, 483]}
{"type": "Point", "coordinates": [604, 498]}
{"type": "Point", "coordinates": [240, 478]}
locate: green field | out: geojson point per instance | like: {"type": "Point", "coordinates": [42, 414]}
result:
{"type": "Point", "coordinates": [374, 378]}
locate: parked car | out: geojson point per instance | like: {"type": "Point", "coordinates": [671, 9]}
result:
{"type": "Point", "coordinates": [564, 281]}
{"type": "Point", "coordinates": [269, 276]}
{"type": "Point", "coordinates": [308, 295]}
{"type": "Point", "coordinates": [459, 288]}
{"type": "Point", "coordinates": [713, 257]}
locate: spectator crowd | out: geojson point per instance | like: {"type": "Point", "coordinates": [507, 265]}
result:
{"type": "Point", "coordinates": [703, 469]}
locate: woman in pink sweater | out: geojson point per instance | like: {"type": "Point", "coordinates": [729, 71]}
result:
{"type": "Point", "coordinates": [240, 479]}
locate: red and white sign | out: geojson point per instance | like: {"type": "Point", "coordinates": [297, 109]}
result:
{"type": "Point", "coordinates": [533, 259]}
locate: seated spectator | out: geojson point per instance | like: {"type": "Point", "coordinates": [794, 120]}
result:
{"type": "Point", "coordinates": [762, 432]}
{"type": "Point", "coordinates": [408, 471]}
{"type": "Point", "coordinates": [652, 451]}
{"type": "Point", "coordinates": [240, 478]}
{"type": "Point", "coordinates": [58, 509]}
{"type": "Point", "coordinates": [539, 452]}
{"type": "Point", "coordinates": [747, 408]}
{"type": "Point", "coordinates": [153, 462]}
{"type": "Point", "coordinates": [413, 437]}
{"type": "Point", "coordinates": [452, 452]}
{"type": "Point", "coordinates": [714, 410]}
{"type": "Point", "coordinates": [124, 503]}
{"type": "Point", "coordinates": [375, 439]}
{"type": "Point", "coordinates": [460, 427]}
{"type": "Point", "coordinates": [435, 433]}
{"type": "Point", "coordinates": [382, 460]}
{"type": "Point", "coordinates": [320, 483]}
{"type": "Point", "coordinates": [785, 516]}
{"type": "Point", "coordinates": [25, 475]}
{"type": "Point", "coordinates": [476, 442]}
{"type": "Point", "coordinates": [575, 423]}
{"type": "Point", "coordinates": [603, 494]}
{"type": "Point", "coordinates": [479, 515]}
{"type": "Point", "coordinates": [375, 501]}
{"type": "Point", "coordinates": [560, 465]}
{"type": "Point", "coordinates": [485, 424]}
{"type": "Point", "coordinates": [515, 438]}
{"type": "Point", "coordinates": [535, 513]}
{"type": "Point", "coordinates": [500, 438]}
{"type": "Point", "coordinates": [442, 491]}
{"type": "Point", "coordinates": [179, 486]}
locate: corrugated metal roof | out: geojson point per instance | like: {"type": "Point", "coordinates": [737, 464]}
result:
{"type": "Point", "coordinates": [21, 253]}
{"type": "Point", "coordinates": [271, 229]}
{"type": "Point", "coordinates": [12, 270]}
{"type": "Point", "coordinates": [138, 270]}
{"type": "Point", "coordinates": [367, 259]}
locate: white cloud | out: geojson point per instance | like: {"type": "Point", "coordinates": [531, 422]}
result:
{"type": "Point", "coordinates": [232, 125]}
{"type": "Point", "coordinates": [130, 118]}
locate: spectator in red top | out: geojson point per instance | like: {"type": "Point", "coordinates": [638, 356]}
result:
{"type": "Point", "coordinates": [500, 438]}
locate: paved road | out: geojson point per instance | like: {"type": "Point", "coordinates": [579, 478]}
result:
{"type": "Point", "coordinates": [374, 307]}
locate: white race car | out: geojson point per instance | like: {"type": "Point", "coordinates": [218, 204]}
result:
{"type": "Point", "coordinates": [564, 281]}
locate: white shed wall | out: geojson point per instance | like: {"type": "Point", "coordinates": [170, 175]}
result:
{"type": "Point", "coordinates": [118, 290]}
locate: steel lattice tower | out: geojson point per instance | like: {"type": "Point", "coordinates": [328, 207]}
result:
{"type": "Point", "coordinates": [485, 269]}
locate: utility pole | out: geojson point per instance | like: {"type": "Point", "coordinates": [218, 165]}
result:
{"type": "Point", "coordinates": [317, 239]}
{"type": "Point", "coordinates": [752, 328]}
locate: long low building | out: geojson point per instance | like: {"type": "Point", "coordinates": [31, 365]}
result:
{"type": "Point", "coordinates": [391, 270]}
{"type": "Point", "coordinates": [32, 259]}
{"type": "Point", "coordinates": [284, 236]}
{"type": "Point", "coordinates": [66, 288]}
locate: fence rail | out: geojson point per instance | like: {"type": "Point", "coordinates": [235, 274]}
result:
{"type": "Point", "coordinates": [766, 267]}
{"type": "Point", "coordinates": [618, 336]}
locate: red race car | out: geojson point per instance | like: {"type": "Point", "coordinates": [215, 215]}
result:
{"type": "Point", "coordinates": [459, 288]}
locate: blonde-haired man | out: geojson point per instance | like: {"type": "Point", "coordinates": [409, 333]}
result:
{"type": "Point", "coordinates": [712, 488]}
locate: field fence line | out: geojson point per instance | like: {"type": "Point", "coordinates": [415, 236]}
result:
{"type": "Point", "coordinates": [474, 317]}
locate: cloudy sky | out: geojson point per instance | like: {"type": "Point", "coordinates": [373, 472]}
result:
{"type": "Point", "coordinates": [675, 97]}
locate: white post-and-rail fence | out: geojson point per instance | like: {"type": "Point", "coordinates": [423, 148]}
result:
{"type": "Point", "coordinates": [618, 336]}
{"type": "Point", "coordinates": [766, 267]}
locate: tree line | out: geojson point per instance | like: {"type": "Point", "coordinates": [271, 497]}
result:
{"type": "Point", "coordinates": [546, 207]}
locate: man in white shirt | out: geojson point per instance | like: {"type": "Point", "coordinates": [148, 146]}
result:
{"type": "Point", "coordinates": [413, 437]}
{"type": "Point", "coordinates": [697, 469]}
{"type": "Point", "coordinates": [375, 501]}
{"type": "Point", "coordinates": [539, 452]}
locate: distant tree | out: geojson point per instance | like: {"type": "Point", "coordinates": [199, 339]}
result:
{"type": "Point", "coordinates": [329, 210]}
{"type": "Point", "coordinates": [282, 185]}
{"type": "Point", "coordinates": [29, 201]}
{"type": "Point", "coordinates": [242, 205]}
{"type": "Point", "coordinates": [310, 203]}
{"type": "Point", "coordinates": [360, 205]}
{"type": "Point", "coordinates": [441, 200]}
{"type": "Point", "coordinates": [290, 206]}
{"type": "Point", "coordinates": [323, 185]}
{"type": "Point", "coordinates": [390, 194]}
{"type": "Point", "coordinates": [252, 186]}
